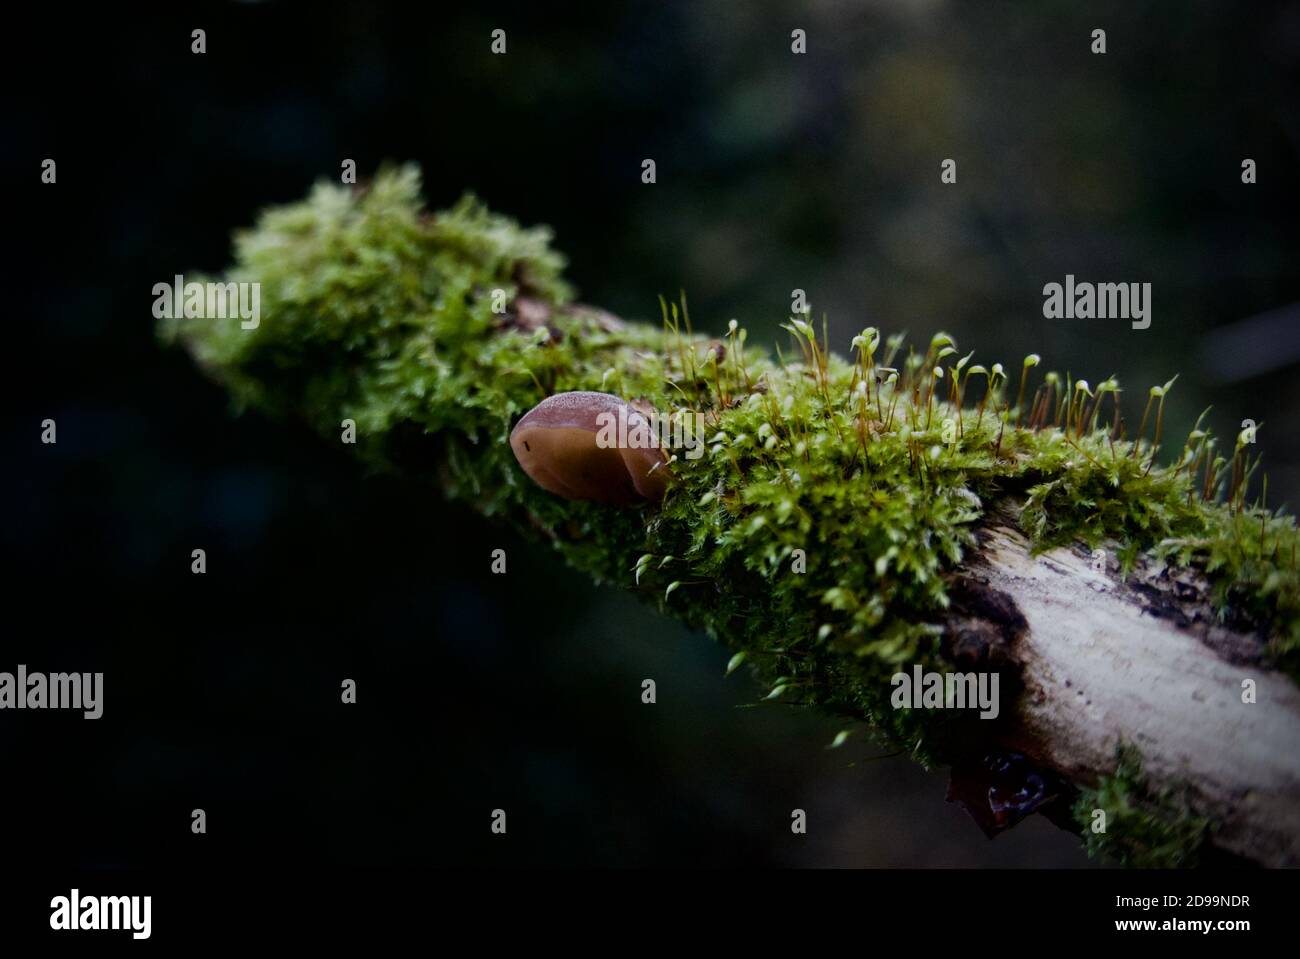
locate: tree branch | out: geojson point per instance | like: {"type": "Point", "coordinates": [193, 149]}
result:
{"type": "Point", "coordinates": [1145, 661]}
{"type": "Point", "coordinates": [851, 518]}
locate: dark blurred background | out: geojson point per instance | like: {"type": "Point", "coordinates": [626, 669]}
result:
{"type": "Point", "coordinates": [775, 171]}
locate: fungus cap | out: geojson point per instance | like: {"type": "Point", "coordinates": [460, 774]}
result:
{"type": "Point", "coordinates": [563, 444]}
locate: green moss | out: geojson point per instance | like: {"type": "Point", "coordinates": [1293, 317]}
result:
{"type": "Point", "coordinates": [375, 311]}
{"type": "Point", "coordinates": [1145, 828]}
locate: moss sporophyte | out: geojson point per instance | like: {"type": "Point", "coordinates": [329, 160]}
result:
{"type": "Point", "coordinates": [816, 535]}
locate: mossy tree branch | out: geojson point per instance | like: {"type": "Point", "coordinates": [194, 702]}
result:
{"type": "Point", "coordinates": [939, 506]}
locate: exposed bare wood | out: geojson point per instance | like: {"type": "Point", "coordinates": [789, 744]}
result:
{"type": "Point", "coordinates": [1145, 661]}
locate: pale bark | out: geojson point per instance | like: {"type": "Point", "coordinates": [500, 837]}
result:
{"type": "Point", "coordinates": [1143, 660]}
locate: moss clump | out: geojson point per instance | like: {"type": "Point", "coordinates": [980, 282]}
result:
{"type": "Point", "coordinates": [877, 467]}
{"type": "Point", "coordinates": [1144, 828]}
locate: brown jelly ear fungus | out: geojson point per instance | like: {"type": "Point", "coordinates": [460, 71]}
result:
{"type": "Point", "coordinates": [591, 446]}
